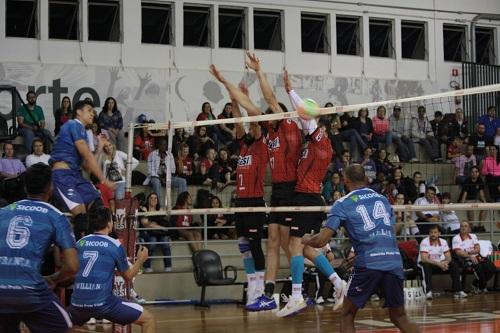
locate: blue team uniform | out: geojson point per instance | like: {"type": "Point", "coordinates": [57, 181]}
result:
{"type": "Point", "coordinates": [368, 218]}
{"type": "Point", "coordinates": [69, 184]}
{"type": "Point", "coordinates": [27, 229]}
{"type": "Point", "coordinates": [92, 296]}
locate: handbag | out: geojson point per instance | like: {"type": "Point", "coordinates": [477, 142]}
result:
{"type": "Point", "coordinates": [112, 173]}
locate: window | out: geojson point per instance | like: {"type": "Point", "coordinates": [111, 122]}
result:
{"type": "Point", "coordinates": [63, 19]}
{"type": "Point", "coordinates": [104, 20]}
{"type": "Point", "coordinates": [197, 26]}
{"type": "Point", "coordinates": [232, 28]}
{"type": "Point", "coordinates": [348, 35]}
{"type": "Point", "coordinates": [314, 28]}
{"type": "Point", "coordinates": [413, 40]}
{"type": "Point", "coordinates": [267, 30]}
{"type": "Point", "coordinates": [156, 23]}
{"type": "Point", "coordinates": [21, 18]}
{"type": "Point", "coordinates": [381, 38]}
{"type": "Point", "coordinates": [454, 42]}
{"type": "Point", "coordinates": [485, 46]}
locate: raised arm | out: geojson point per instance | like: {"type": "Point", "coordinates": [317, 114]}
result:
{"type": "Point", "coordinates": [236, 93]}
{"type": "Point", "coordinates": [307, 125]}
{"type": "Point", "coordinates": [254, 63]}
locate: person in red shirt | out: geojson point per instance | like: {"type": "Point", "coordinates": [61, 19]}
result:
{"type": "Point", "coordinates": [185, 221]}
{"type": "Point", "coordinates": [184, 164]}
{"type": "Point", "coordinates": [381, 128]}
{"type": "Point", "coordinates": [250, 173]}
{"type": "Point", "coordinates": [213, 131]}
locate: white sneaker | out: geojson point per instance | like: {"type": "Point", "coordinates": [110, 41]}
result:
{"type": "Point", "coordinates": [460, 294]}
{"type": "Point", "coordinates": [485, 290]}
{"type": "Point", "coordinates": [428, 295]}
{"type": "Point", "coordinates": [292, 307]}
{"type": "Point", "coordinates": [148, 270]}
{"type": "Point", "coordinates": [476, 290]}
{"type": "Point", "coordinates": [91, 321]}
{"type": "Point", "coordinates": [414, 160]}
{"type": "Point", "coordinates": [320, 300]}
{"type": "Point", "coordinates": [167, 269]}
{"type": "Point", "coordinates": [339, 296]}
{"type": "Point", "coordinates": [374, 297]}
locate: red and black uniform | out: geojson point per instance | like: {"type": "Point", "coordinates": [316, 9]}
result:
{"type": "Point", "coordinates": [284, 144]}
{"type": "Point", "coordinates": [311, 170]}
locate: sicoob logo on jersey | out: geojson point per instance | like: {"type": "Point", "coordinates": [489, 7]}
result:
{"type": "Point", "coordinates": [245, 160]}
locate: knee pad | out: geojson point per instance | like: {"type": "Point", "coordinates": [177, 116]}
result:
{"type": "Point", "coordinates": [81, 226]}
{"type": "Point", "coordinates": [243, 245]}
{"type": "Point", "coordinates": [258, 254]}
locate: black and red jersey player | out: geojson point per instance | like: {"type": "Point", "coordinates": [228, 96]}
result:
{"type": "Point", "coordinates": [250, 173]}
{"type": "Point", "coordinates": [312, 167]}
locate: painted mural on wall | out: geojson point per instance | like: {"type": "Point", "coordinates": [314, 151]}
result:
{"type": "Point", "coordinates": [178, 93]}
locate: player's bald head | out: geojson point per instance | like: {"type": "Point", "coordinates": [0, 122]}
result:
{"type": "Point", "coordinates": [355, 173]}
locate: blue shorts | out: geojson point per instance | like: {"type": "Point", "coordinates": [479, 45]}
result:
{"type": "Point", "coordinates": [52, 317]}
{"type": "Point", "coordinates": [72, 188]}
{"type": "Point", "coordinates": [364, 282]}
{"type": "Point", "coordinates": [116, 310]}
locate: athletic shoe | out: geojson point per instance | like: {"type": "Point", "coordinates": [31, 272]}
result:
{"type": "Point", "coordinates": [91, 321]}
{"type": "Point", "coordinates": [292, 307]}
{"type": "Point", "coordinates": [320, 300]}
{"type": "Point", "coordinates": [263, 303]}
{"type": "Point", "coordinates": [460, 294]}
{"type": "Point", "coordinates": [485, 290]}
{"type": "Point", "coordinates": [252, 297]}
{"type": "Point", "coordinates": [374, 297]}
{"type": "Point", "coordinates": [167, 269]}
{"type": "Point", "coordinates": [309, 300]}
{"type": "Point", "coordinates": [148, 270]}
{"type": "Point", "coordinates": [414, 160]}
{"type": "Point", "coordinates": [428, 295]}
{"type": "Point", "coordinates": [339, 296]}
{"type": "Point", "coordinates": [476, 290]}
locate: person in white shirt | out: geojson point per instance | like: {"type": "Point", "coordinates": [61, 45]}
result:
{"type": "Point", "coordinates": [434, 256]}
{"type": "Point", "coordinates": [466, 253]}
{"type": "Point", "coordinates": [424, 219]}
{"type": "Point", "coordinates": [37, 155]}
{"type": "Point", "coordinates": [449, 217]}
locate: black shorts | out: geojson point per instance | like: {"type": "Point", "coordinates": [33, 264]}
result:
{"type": "Point", "coordinates": [282, 195]}
{"type": "Point", "coordinates": [306, 222]}
{"type": "Point", "coordinates": [250, 225]}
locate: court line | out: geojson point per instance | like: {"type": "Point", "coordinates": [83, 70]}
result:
{"type": "Point", "coordinates": [395, 329]}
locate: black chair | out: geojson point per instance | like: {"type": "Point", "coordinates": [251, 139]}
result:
{"type": "Point", "coordinates": [208, 271]}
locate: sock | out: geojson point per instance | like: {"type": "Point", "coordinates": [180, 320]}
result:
{"type": "Point", "coordinates": [259, 288]}
{"type": "Point", "coordinates": [297, 268]}
{"type": "Point", "coordinates": [251, 279]}
{"type": "Point", "coordinates": [249, 264]}
{"type": "Point", "coordinates": [269, 288]}
{"type": "Point", "coordinates": [323, 265]}
{"type": "Point", "coordinates": [336, 280]}
{"type": "Point", "coordinates": [296, 290]}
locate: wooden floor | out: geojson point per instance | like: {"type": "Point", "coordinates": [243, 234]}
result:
{"type": "Point", "coordinates": [479, 313]}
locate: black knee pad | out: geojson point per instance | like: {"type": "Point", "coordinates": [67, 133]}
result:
{"type": "Point", "coordinates": [81, 225]}
{"type": "Point", "coordinates": [258, 254]}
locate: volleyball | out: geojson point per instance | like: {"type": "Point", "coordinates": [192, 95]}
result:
{"type": "Point", "coordinates": [308, 109]}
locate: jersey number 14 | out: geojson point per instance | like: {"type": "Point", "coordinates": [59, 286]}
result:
{"type": "Point", "coordinates": [379, 212]}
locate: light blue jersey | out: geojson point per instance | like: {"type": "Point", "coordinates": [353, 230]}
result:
{"type": "Point", "coordinates": [99, 256]}
{"type": "Point", "coordinates": [64, 148]}
{"type": "Point", "coordinates": [368, 218]}
{"type": "Point", "coordinates": [27, 229]}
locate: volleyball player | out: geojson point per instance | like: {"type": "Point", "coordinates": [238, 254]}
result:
{"type": "Point", "coordinates": [284, 143]}
{"type": "Point", "coordinates": [27, 229]}
{"type": "Point", "coordinates": [69, 154]}
{"type": "Point", "coordinates": [93, 296]}
{"type": "Point", "coordinates": [249, 190]}
{"type": "Point", "coordinates": [369, 220]}
{"type": "Point", "coordinates": [313, 164]}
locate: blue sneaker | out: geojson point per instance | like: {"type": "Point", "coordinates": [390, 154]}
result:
{"type": "Point", "coordinates": [263, 303]}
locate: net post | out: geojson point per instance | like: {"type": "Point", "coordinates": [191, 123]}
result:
{"type": "Point", "coordinates": [205, 231]}
{"type": "Point", "coordinates": [168, 186]}
{"type": "Point", "coordinates": [130, 153]}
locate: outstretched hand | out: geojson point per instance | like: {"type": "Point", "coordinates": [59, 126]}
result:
{"type": "Point", "coordinates": [215, 72]}
{"type": "Point", "coordinates": [252, 61]}
{"type": "Point", "coordinates": [286, 81]}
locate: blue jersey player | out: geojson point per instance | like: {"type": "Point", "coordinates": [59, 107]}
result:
{"type": "Point", "coordinates": [99, 255]}
{"type": "Point", "coordinates": [27, 229]}
{"type": "Point", "coordinates": [69, 154]}
{"type": "Point", "coordinates": [369, 220]}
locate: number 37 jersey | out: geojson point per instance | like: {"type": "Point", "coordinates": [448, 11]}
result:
{"type": "Point", "coordinates": [368, 218]}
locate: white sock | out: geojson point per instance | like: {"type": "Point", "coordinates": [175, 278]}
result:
{"type": "Point", "coordinates": [336, 280]}
{"type": "Point", "coordinates": [259, 283]}
{"type": "Point", "coordinates": [297, 290]}
{"type": "Point", "coordinates": [252, 284]}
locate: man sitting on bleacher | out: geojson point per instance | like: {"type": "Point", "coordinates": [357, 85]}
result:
{"type": "Point", "coordinates": [435, 257]}
{"type": "Point", "coordinates": [466, 253]}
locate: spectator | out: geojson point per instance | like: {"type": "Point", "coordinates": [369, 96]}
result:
{"type": "Point", "coordinates": [496, 139]}
{"type": "Point", "coordinates": [217, 220]}
{"type": "Point", "coordinates": [349, 133]}
{"type": "Point", "coordinates": [228, 132]}
{"type": "Point", "coordinates": [404, 224]}
{"type": "Point", "coordinates": [429, 217]}
{"type": "Point", "coordinates": [111, 120]}
{"type": "Point", "coordinates": [157, 170]}
{"type": "Point", "coordinates": [491, 171]}
{"type": "Point", "coordinates": [400, 128]}
{"type": "Point", "coordinates": [113, 165]}
{"type": "Point", "coordinates": [490, 121]}
{"type": "Point", "coordinates": [466, 253]}
{"type": "Point", "coordinates": [212, 131]}
{"type": "Point", "coordinates": [454, 149]}
{"type": "Point", "coordinates": [180, 136]}
{"type": "Point", "coordinates": [363, 125]}
{"type": "Point", "coordinates": [144, 140]}
{"type": "Point", "coordinates": [439, 127]}
{"type": "Point", "coordinates": [10, 166]}
{"type": "Point", "coordinates": [333, 184]}
{"type": "Point", "coordinates": [31, 123]}
{"type": "Point", "coordinates": [382, 162]}
{"type": "Point", "coordinates": [63, 114]}
{"type": "Point", "coordinates": [227, 167]}
{"type": "Point", "coordinates": [158, 237]}
{"type": "Point", "coordinates": [186, 221]}
{"type": "Point", "coordinates": [184, 165]}
{"type": "Point", "coordinates": [480, 141]}
{"type": "Point", "coordinates": [458, 126]}
{"type": "Point", "coordinates": [464, 164]}
{"type": "Point", "coordinates": [412, 186]}
{"type": "Point", "coordinates": [421, 132]}
{"type": "Point", "coordinates": [398, 179]}
{"type": "Point", "coordinates": [37, 155]}
{"type": "Point", "coordinates": [342, 163]}
{"type": "Point", "coordinates": [473, 191]}
{"type": "Point", "coordinates": [199, 142]}
{"type": "Point", "coordinates": [208, 169]}
{"type": "Point", "coordinates": [449, 217]}
{"type": "Point", "coordinates": [434, 256]}
{"type": "Point", "coordinates": [381, 128]}
{"type": "Point", "coordinates": [96, 136]}
{"type": "Point", "coordinates": [335, 136]}
{"type": "Point", "coordinates": [369, 165]}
